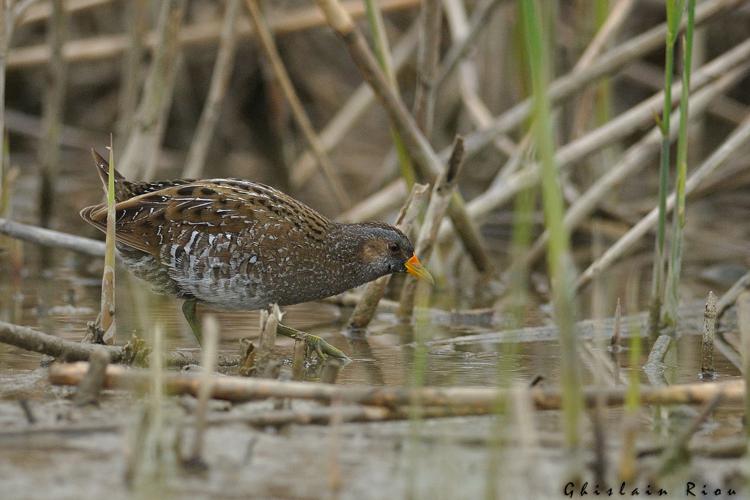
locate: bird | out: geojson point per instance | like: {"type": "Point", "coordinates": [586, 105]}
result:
{"type": "Point", "coordinates": [234, 244]}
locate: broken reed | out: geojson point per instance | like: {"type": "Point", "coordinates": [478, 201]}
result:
{"type": "Point", "coordinates": [674, 15]}
{"type": "Point", "coordinates": [107, 323]}
{"type": "Point", "coordinates": [558, 248]}
{"type": "Point", "coordinates": [672, 298]}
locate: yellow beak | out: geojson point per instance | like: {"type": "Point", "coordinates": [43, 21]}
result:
{"type": "Point", "coordinates": [416, 269]}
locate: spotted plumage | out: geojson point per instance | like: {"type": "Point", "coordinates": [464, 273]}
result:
{"type": "Point", "coordinates": [237, 244]}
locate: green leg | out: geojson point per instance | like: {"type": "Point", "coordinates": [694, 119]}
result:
{"type": "Point", "coordinates": [188, 310]}
{"type": "Point", "coordinates": [315, 343]}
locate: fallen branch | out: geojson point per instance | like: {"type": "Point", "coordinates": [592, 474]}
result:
{"type": "Point", "coordinates": [238, 389]}
{"type": "Point", "coordinates": [50, 238]}
{"type": "Point", "coordinates": [67, 350]}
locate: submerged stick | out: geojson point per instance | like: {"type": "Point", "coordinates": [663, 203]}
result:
{"type": "Point", "coordinates": [247, 389]}
{"type": "Point", "coordinates": [374, 291]}
{"type": "Point", "coordinates": [92, 384]}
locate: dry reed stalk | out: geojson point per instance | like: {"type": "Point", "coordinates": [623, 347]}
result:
{"type": "Point", "coordinates": [708, 371]}
{"type": "Point", "coordinates": [106, 326]}
{"type": "Point", "coordinates": [481, 15]}
{"type": "Point", "coordinates": [427, 63]}
{"type": "Point", "coordinates": [112, 46]}
{"type": "Point", "coordinates": [131, 77]}
{"type": "Point", "coordinates": [648, 75]}
{"type": "Point", "coordinates": [441, 195]}
{"type": "Point", "coordinates": [730, 146]}
{"type": "Point", "coordinates": [606, 64]}
{"type": "Point", "coordinates": [426, 162]}
{"type": "Point", "coordinates": [352, 111]}
{"type": "Point", "coordinates": [220, 77]}
{"type": "Point", "coordinates": [374, 291]}
{"type": "Point", "coordinates": [298, 111]}
{"type": "Point", "coordinates": [615, 130]}
{"type": "Point", "coordinates": [477, 398]}
{"type": "Point", "coordinates": [461, 31]}
{"type": "Point", "coordinates": [208, 366]}
{"type": "Point", "coordinates": [635, 158]}
{"type": "Point", "coordinates": [54, 100]}
{"type": "Point", "coordinates": [372, 207]}
{"type": "Point", "coordinates": [142, 148]}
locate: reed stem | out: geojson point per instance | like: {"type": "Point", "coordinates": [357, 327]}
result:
{"type": "Point", "coordinates": [674, 15]}
{"type": "Point", "coordinates": [558, 255]}
{"type": "Point", "coordinates": [672, 299]}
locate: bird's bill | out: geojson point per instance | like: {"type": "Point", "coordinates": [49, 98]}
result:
{"type": "Point", "coordinates": [416, 269]}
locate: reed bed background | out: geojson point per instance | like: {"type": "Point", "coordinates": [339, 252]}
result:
{"type": "Point", "coordinates": [610, 136]}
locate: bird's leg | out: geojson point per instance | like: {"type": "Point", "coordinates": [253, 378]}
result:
{"type": "Point", "coordinates": [188, 310]}
{"type": "Point", "coordinates": [315, 343]}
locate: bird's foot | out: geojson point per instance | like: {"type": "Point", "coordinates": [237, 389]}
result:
{"type": "Point", "coordinates": [314, 343]}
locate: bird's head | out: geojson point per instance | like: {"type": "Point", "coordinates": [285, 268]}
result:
{"type": "Point", "coordinates": [386, 250]}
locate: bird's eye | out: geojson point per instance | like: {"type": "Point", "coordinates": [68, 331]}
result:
{"type": "Point", "coordinates": [393, 247]}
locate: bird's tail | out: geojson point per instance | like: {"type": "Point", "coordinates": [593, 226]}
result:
{"type": "Point", "coordinates": [122, 186]}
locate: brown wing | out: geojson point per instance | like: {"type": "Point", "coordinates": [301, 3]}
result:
{"type": "Point", "coordinates": [166, 216]}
